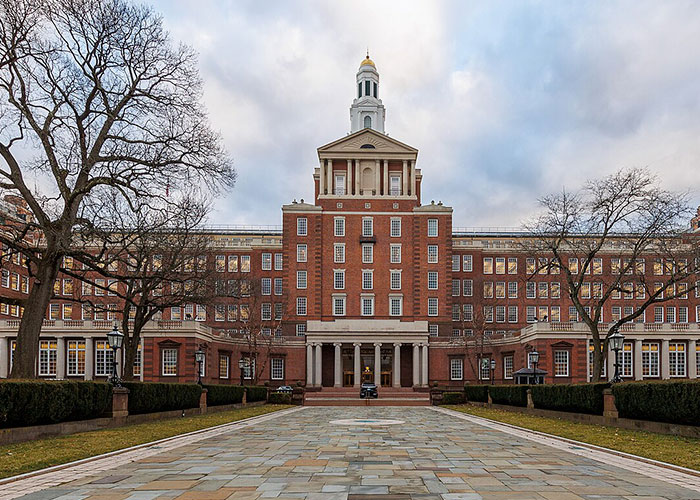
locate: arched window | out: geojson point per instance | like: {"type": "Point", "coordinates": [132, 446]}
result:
{"type": "Point", "coordinates": [368, 122]}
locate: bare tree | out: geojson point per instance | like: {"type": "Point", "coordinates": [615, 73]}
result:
{"type": "Point", "coordinates": [97, 104]}
{"type": "Point", "coordinates": [475, 341]}
{"type": "Point", "coordinates": [628, 218]}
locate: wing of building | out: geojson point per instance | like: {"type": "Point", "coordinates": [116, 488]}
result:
{"type": "Point", "coordinates": [364, 283]}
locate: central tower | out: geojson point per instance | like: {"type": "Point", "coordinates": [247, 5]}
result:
{"type": "Point", "coordinates": [367, 110]}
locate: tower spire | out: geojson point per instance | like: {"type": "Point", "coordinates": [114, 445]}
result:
{"type": "Point", "coordinates": [367, 110]}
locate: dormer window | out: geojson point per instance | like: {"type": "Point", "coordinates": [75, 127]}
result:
{"type": "Point", "coordinates": [368, 122]}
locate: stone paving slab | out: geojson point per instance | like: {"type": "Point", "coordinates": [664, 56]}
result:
{"type": "Point", "coordinates": [434, 454]}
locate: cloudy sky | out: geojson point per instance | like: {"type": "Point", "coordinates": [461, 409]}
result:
{"type": "Point", "coordinates": [506, 101]}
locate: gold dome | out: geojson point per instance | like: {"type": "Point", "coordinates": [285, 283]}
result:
{"type": "Point", "coordinates": [368, 62]}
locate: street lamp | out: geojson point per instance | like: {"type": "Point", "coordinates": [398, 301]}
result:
{"type": "Point", "coordinates": [616, 340]}
{"type": "Point", "coordinates": [534, 359]}
{"type": "Point", "coordinates": [493, 369]}
{"type": "Point", "coordinates": [115, 339]}
{"type": "Point", "coordinates": [199, 358]}
{"type": "Point", "coordinates": [242, 364]}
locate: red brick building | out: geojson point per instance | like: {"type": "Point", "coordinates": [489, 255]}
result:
{"type": "Point", "coordinates": [364, 283]}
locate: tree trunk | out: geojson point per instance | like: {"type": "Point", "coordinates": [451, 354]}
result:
{"type": "Point", "coordinates": [27, 350]}
{"type": "Point", "coordinates": [598, 357]}
{"type": "Point", "coordinates": [130, 346]}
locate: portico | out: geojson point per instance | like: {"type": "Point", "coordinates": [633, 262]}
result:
{"type": "Point", "coordinates": [347, 353]}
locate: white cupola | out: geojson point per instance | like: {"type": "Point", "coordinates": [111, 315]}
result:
{"type": "Point", "coordinates": [367, 110]}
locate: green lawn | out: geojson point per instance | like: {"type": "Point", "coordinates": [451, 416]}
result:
{"type": "Point", "coordinates": [672, 449]}
{"type": "Point", "coordinates": [33, 455]}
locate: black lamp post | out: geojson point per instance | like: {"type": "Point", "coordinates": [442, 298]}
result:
{"type": "Point", "coordinates": [199, 358]}
{"type": "Point", "coordinates": [534, 359]}
{"type": "Point", "coordinates": [616, 340]}
{"type": "Point", "coordinates": [115, 339]}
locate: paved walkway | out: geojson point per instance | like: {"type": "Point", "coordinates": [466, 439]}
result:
{"type": "Point", "coordinates": [435, 454]}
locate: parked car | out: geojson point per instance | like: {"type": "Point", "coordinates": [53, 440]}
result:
{"type": "Point", "coordinates": [286, 389]}
{"type": "Point", "coordinates": [368, 391]}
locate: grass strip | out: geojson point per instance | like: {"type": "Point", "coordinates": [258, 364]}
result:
{"type": "Point", "coordinates": [34, 455]}
{"type": "Point", "coordinates": [671, 449]}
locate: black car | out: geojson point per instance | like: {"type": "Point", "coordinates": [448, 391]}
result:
{"type": "Point", "coordinates": [368, 391]}
{"type": "Point", "coordinates": [286, 389]}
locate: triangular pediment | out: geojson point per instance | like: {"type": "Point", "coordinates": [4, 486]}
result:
{"type": "Point", "coordinates": [368, 142]}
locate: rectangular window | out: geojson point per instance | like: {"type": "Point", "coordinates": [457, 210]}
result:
{"type": "Point", "coordinates": [455, 312]}
{"type": "Point", "coordinates": [224, 360]}
{"type": "Point", "coordinates": [338, 306]}
{"type": "Point", "coordinates": [624, 360]}
{"type": "Point", "coordinates": [676, 359]}
{"type": "Point", "coordinates": [367, 253]}
{"type": "Point", "coordinates": [456, 369]}
{"type": "Point", "coordinates": [500, 290]}
{"type": "Point", "coordinates": [432, 306]}
{"type": "Point", "coordinates": [339, 279]}
{"type": "Point", "coordinates": [542, 290]}
{"type": "Point", "coordinates": [395, 250]}
{"type": "Point", "coordinates": [279, 260]}
{"type": "Point", "coordinates": [339, 227]}
{"type": "Point", "coordinates": [48, 354]}
{"type": "Point", "coordinates": [531, 290]}
{"type": "Point", "coordinates": [650, 359]}
{"type": "Point", "coordinates": [245, 263]}
{"type": "Point", "coordinates": [488, 289]}
{"type": "Point", "coordinates": [467, 288]}
{"type": "Point", "coordinates": [266, 286]}
{"type": "Point", "coordinates": [670, 314]}
{"type": "Point", "coordinates": [301, 306]}
{"type": "Point", "coordinates": [682, 314]}
{"type": "Point", "coordinates": [278, 286]}
{"type": "Point", "coordinates": [597, 266]}
{"type": "Point", "coordinates": [266, 311]}
{"type": "Point", "coordinates": [301, 253]}
{"type": "Point", "coordinates": [301, 329]}
{"type": "Point", "coordinates": [432, 280]}
{"type": "Point", "coordinates": [395, 227]}
{"type": "Point", "coordinates": [103, 358]}
{"type": "Point", "coordinates": [367, 227]}
{"type": "Point", "coordinates": [301, 226]}
{"type": "Point", "coordinates": [561, 363]}
{"type": "Point", "coordinates": [455, 263]}
{"type": "Point", "coordinates": [512, 265]}
{"type": "Point", "coordinates": [67, 311]}
{"type": "Point", "coordinates": [542, 313]}
{"type": "Point", "coordinates": [488, 265]}
{"type": "Point", "coordinates": [395, 279]}
{"type": "Point", "coordinates": [339, 184]}
{"type": "Point", "coordinates": [531, 314]}
{"type": "Point", "coordinates": [468, 312]}
{"type": "Point", "coordinates": [488, 314]}
{"type": "Point", "coordinates": [220, 312]}
{"type": "Point", "coordinates": [339, 253]}
{"type": "Point", "coordinates": [432, 254]}
{"type": "Point", "coordinates": [367, 279]}
{"type": "Point", "coordinates": [395, 185]}
{"type": "Point", "coordinates": [54, 311]}
{"type": "Point", "coordinates": [220, 263]}
{"type": "Point", "coordinates": [530, 266]}
{"type": "Point", "coordinates": [500, 265]}
{"type": "Point", "coordinates": [301, 280]}
{"type": "Point", "coordinates": [500, 314]}
{"type": "Point", "coordinates": [266, 261]}
{"type": "Point", "coordinates": [658, 314]}
{"type": "Point", "coordinates": [508, 367]}
{"type": "Point", "coordinates": [467, 263]}
{"type": "Point", "coordinates": [277, 369]}
{"type": "Point", "coordinates": [232, 312]}
{"type": "Point", "coordinates": [573, 314]}
{"type": "Point", "coordinates": [432, 228]}
{"type": "Point", "coordinates": [512, 314]}
{"type": "Point", "coordinates": [233, 263]}
{"type": "Point", "coordinates": [433, 330]}
{"type": "Point", "coordinates": [543, 265]}
{"type": "Point", "coordinates": [87, 312]}
{"type": "Point", "coordinates": [76, 357]}
{"type": "Point", "coordinates": [278, 311]}
{"type": "Point", "coordinates": [586, 290]}
{"type": "Point", "coordinates": [455, 288]}
{"type": "Point", "coordinates": [395, 306]}
{"type": "Point", "coordinates": [367, 306]}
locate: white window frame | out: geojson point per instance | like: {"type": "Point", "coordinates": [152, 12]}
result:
{"type": "Point", "coordinates": [432, 228]}
{"type": "Point", "coordinates": [339, 227]}
{"type": "Point", "coordinates": [395, 229]}
{"type": "Point", "coordinates": [339, 253]}
{"type": "Point", "coordinates": [367, 279]}
{"type": "Point", "coordinates": [395, 300]}
{"type": "Point", "coordinates": [301, 280]}
{"type": "Point", "coordinates": [456, 369]}
{"type": "Point", "coordinates": [367, 227]}
{"type": "Point", "coordinates": [561, 358]}
{"type": "Point", "coordinates": [302, 306]}
{"type": "Point", "coordinates": [433, 306]}
{"type": "Point", "coordinates": [277, 369]}
{"type": "Point", "coordinates": [302, 226]}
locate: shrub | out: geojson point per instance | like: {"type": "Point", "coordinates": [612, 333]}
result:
{"type": "Point", "coordinates": [478, 393]}
{"type": "Point", "coordinates": [280, 398]}
{"type": "Point", "coordinates": [578, 398]}
{"type": "Point", "coordinates": [150, 397]}
{"type": "Point", "coordinates": [224, 394]}
{"type": "Point", "coordinates": [36, 402]}
{"type": "Point", "coordinates": [452, 398]}
{"type": "Point", "coordinates": [514, 395]}
{"type": "Point", "coordinates": [256, 393]}
{"type": "Point", "coordinates": [676, 402]}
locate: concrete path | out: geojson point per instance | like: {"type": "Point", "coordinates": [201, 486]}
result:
{"type": "Point", "coordinates": [434, 454]}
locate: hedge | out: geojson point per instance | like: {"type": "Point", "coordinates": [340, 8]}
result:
{"type": "Point", "coordinates": [36, 402]}
{"type": "Point", "coordinates": [452, 398]}
{"type": "Point", "coordinates": [224, 394]}
{"type": "Point", "coordinates": [150, 397]}
{"type": "Point", "coordinates": [256, 393]}
{"type": "Point", "coordinates": [514, 395]}
{"type": "Point", "coordinates": [280, 398]}
{"type": "Point", "coordinates": [578, 398]}
{"type": "Point", "coordinates": [676, 402]}
{"type": "Point", "coordinates": [478, 393]}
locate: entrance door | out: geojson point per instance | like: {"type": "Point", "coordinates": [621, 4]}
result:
{"type": "Point", "coordinates": [367, 365]}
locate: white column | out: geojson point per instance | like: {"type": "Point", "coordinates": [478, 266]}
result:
{"type": "Point", "coordinates": [404, 178]}
{"type": "Point", "coordinates": [386, 177]}
{"type": "Point", "coordinates": [318, 375]}
{"type": "Point", "coordinates": [416, 360]}
{"type": "Point", "coordinates": [90, 359]}
{"type": "Point", "coordinates": [610, 360]}
{"type": "Point", "coordinates": [692, 363]}
{"type": "Point", "coordinates": [358, 188]}
{"type": "Point", "coordinates": [377, 178]}
{"type": "Point", "coordinates": [358, 370]}
{"type": "Point", "coordinates": [4, 357]}
{"type": "Point", "coordinates": [397, 365]}
{"type": "Point", "coordinates": [424, 366]}
{"type": "Point", "coordinates": [348, 175]}
{"type": "Point", "coordinates": [329, 177]}
{"type": "Point", "coordinates": [378, 364]}
{"type": "Point", "coordinates": [322, 178]}
{"type": "Point", "coordinates": [413, 178]}
{"type": "Point", "coordinates": [637, 367]}
{"type": "Point", "coordinates": [309, 365]}
{"type": "Point", "coordinates": [663, 360]}
{"type": "Point", "coordinates": [60, 358]}
{"type": "Point", "coordinates": [338, 378]}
